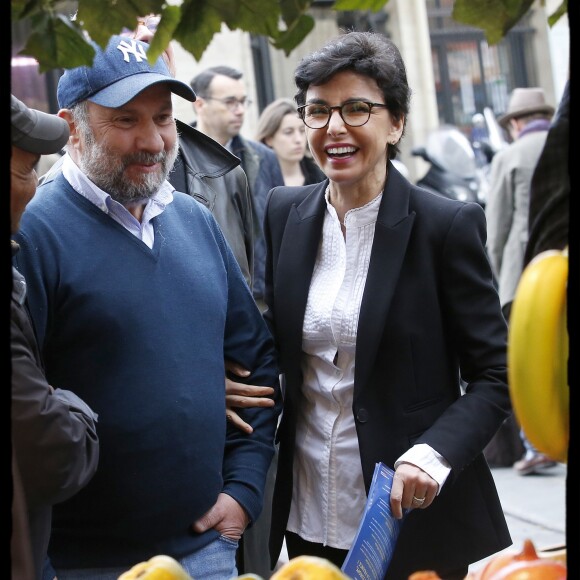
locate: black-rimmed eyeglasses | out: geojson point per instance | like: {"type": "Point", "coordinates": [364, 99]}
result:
{"type": "Point", "coordinates": [231, 103]}
{"type": "Point", "coordinates": [353, 113]}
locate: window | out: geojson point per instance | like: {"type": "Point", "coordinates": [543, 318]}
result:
{"type": "Point", "coordinates": [470, 74]}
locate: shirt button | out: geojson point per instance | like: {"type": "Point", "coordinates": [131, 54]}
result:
{"type": "Point", "coordinates": [362, 415]}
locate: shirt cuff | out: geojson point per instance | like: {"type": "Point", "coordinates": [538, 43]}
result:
{"type": "Point", "coordinates": [427, 459]}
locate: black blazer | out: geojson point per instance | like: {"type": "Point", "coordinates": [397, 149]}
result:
{"type": "Point", "coordinates": [430, 316]}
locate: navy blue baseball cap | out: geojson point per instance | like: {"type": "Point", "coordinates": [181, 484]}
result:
{"type": "Point", "coordinates": [118, 74]}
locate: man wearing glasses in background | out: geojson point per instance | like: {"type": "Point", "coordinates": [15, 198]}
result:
{"type": "Point", "coordinates": [220, 108]}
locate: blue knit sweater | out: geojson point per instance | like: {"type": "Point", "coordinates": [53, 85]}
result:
{"type": "Point", "coordinates": [141, 335]}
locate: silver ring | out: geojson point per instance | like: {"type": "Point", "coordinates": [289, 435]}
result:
{"type": "Point", "coordinates": [418, 500]}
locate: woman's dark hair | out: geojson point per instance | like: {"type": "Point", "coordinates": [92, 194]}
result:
{"type": "Point", "coordinates": [367, 53]}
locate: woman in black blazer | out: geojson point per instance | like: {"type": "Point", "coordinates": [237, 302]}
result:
{"type": "Point", "coordinates": [389, 331]}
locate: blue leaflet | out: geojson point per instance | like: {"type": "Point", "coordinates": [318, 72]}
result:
{"type": "Point", "coordinates": [374, 543]}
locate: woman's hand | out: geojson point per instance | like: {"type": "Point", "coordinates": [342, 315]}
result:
{"type": "Point", "coordinates": [411, 485]}
{"type": "Point", "coordinates": [240, 395]}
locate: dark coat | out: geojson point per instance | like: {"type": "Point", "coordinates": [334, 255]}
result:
{"type": "Point", "coordinates": [212, 175]}
{"type": "Point", "coordinates": [263, 170]}
{"type": "Point", "coordinates": [549, 216]}
{"type": "Point", "coordinates": [312, 173]}
{"type": "Point", "coordinates": [430, 314]}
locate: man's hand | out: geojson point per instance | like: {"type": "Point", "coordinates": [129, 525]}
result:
{"type": "Point", "coordinates": [244, 396]}
{"type": "Point", "coordinates": [227, 517]}
{"type": "Point", "coordinates": [411, 484]}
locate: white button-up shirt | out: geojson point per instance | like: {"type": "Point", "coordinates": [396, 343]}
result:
{"type": "Point", "coordinates": [329, 494]}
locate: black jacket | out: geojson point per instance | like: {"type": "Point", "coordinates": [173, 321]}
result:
{"type": "Point", "coordinates": [312, 173]}
{"type": "Point", "coordinates": [213, 176]}
{"type": "Point", "coordinates": [260, 164]}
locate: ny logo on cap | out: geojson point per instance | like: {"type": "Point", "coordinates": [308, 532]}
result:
{"type": "Point", "coordinates": [133, 48]}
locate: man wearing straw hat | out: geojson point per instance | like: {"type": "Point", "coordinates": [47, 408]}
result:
{"type": "Point", "coordinates": [527, 121]}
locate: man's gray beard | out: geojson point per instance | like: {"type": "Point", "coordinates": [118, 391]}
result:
{"type": "Point", "coordinates": [107, 171]}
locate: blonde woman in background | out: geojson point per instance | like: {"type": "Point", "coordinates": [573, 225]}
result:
{"type": "Point", "coordinates": [281, 129]}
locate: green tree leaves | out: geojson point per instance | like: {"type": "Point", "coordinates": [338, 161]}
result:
{"type": "Point", "coordinates": [58, 31]}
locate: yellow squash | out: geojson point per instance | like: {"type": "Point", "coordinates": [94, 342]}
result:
{"type": "Point", "coordinates": [157, 568]}
{"type": "Point", "coordinates": [309, 568]}
{"type": "Point", "coordinates": [538, 348]}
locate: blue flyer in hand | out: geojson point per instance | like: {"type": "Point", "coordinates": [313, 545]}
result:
{"type": "Point", "coordinates": [374, 543]}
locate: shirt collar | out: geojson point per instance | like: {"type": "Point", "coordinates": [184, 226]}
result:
{"type": "Point", "coordinates": [358, 216]}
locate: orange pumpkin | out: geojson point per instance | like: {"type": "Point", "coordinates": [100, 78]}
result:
{"type": "Point", "coordinates": [525, 565]}
{"type": "Point", "coordinates": [532, 570]}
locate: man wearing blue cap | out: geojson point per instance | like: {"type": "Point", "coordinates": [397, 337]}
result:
{"type": "Point", "coordinates": [134, 288]}
{"type": "Point", "coordinates": [55, 448]}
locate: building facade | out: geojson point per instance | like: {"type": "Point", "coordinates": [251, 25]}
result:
{"type": "Point", "coordinates": [452, 70]}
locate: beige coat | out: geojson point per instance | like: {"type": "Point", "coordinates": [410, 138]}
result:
{"type": "Point", "coordinates": [507, 208]}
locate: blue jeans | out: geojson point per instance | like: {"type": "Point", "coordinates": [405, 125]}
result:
{"type": "Point", "coordinates": [217, 561]}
